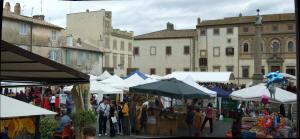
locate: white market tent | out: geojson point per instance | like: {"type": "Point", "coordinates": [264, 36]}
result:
{"type": "Point", "coordinates": [99, 88]}
{"type": "Point", "coordinates": [115, 81]}
{"type": "Point", "coordinates": [18, 84]}
{"type": "Point", "coordinates": [156, 77]}
{"type": "Point", "coordinates": [254, 93]}
{"type": "Point", "coordinates": [189, 80]}
{"type": "Point", "coordinates": [104, 75]}
{"type": "Point", "coordinates": [93, 77]}
{"type": "Point", "coordinates": [218, 77]}
{"type": "Point", "coordinates": [14, 108]}
{"type": "Point", "coordinates": [150, 80]}
{"type": "Point", "coordinates": [134, 80]}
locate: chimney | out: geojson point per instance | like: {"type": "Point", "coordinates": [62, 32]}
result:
{"type": "Point", "coordinates": [7, 7]}
{"type": "Point", "coordinates": [17, 9]}
{"type": "Point", "coordinates": [170, 26]}
{"type": "Point", "coordinates": [39, 17]}
{"type": "Point", "coordinates": [240, 15]}
{"type": "Point", "coordinates": [198, 21]}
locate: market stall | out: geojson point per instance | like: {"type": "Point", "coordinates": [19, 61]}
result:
{"type": "Point", "coordinates": [20, 65]}
{"type": "Point", "coordinates": [104, 76]}
{"type": "Point", "coordinates": [19, 117]}
{"type": "Point", "coordinates": [254, 93]}
{"type": "Point", "coordinates": [216, 77]}
{"type": "Point", "coordinates": [265, 124]}
{"type": "Point", "coordinates": [167, 122]}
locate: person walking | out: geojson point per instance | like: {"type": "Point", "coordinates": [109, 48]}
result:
{"type": "Point", "coordinates": [103, 110]}
{"type": "Point", "coordinates": [120, 117]}
{"type": "Point", "coordinates": [125, 123]}
{"type": "Point", "coordinates": [69, 103]}
{"type": "Point", "coordinates": [197, 122]}
{"type": "Point", "coordinates": [282, 110]}
{"type": "Point", "coordinates": [236, 126]}
{"type": "Point", "coordinates": [52, 102]}
{"type": "Point", "coordinates": [189, 120]}
{"type": "Point", "coordinates": [208, 117]}
{"type": "Point", "coordinates": [132, 115]}
{"type": "Point", "coordinates": [46, 103]}
{"type": "Point", "coordinates": [143, 119]}
{"type": "Point", "coordinates": [112, 120]}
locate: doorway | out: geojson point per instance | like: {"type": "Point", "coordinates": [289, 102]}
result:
{"type": "Point", "coordinates": [275, 68]}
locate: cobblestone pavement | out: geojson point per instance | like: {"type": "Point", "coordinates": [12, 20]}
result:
{"type": "Point", "coordinates": [220, 129]}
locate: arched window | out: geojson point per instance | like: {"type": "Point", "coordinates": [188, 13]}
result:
{"type": "Point", "coordinates": [290, 46]}
{"type": "Point", "coordinates": [246, 47]}
{"type": "Point", "coordinates": [275, 46]}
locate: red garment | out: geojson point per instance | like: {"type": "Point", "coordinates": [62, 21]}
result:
{"type": "Point", "coordinates": [46, 104]}
{"type": "Point", "coordinates": [57, 104]}
{"type": "Point", "coordinates": [209, 113]}
{"type": "Point", "coordinates": [37, 98]}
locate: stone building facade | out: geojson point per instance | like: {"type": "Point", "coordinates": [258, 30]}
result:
{"type": "Point", "coordinates": [48, 40]}
{"type": "Point", "coordinates": [165, 51]}
{"type": "Point", "coordinates": [98, 32]}
{"type": "Point", "coordinates": [278, 38]}
{"type": "Point", "coordinates": [118, 53]}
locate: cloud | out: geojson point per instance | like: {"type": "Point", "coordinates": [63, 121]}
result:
{"type": "Point", "coordinates": [143, 16]}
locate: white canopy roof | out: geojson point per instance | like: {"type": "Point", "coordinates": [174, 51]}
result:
{"type": "Point", "coordinates": [104, 76]}
{"type": "Point", "coordinates": [221, 77]}
{"type": "Point", "coordinates": [189, 80]}
{"type": "Point", "coordinates": [93, 77]}
{"type": "Point", "coordinates": [10, 107]}
{"type": "Point", "coordinates": [16, 84]}
{"type": "Point", "coordinates": [134, 80]}
{"type": "Point", "coordinates": [99, 88]}
{"type": "Point", "coordinates": [150, 80]}
{"type": "Point", "coordinates": [156, 77]}
{"type": "Point", "coordinates": [115, 81]}
{"type": "Point", "coordinates": [254, 93]}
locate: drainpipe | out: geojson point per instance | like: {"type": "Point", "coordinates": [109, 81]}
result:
{"type": "Point", "coordinates": [297, 61]}
{"type": "Point", "coordinates": [31, 24]}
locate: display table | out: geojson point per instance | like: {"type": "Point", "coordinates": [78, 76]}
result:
{"type": "Point", "coordinates": [165, 123]}
{"type": "Point", "coordinates": [250, 129]}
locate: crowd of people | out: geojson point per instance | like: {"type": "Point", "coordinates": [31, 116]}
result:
{"type": "Point", "coordinates": [52, 99]}
{"type": "Point", "coordinates": [117, 115]}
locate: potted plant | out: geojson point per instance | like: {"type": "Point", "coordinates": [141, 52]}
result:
{"type": "Point", "coordinates": [83, 119]}
{"type": "Point", "coordinates": [47, 127]}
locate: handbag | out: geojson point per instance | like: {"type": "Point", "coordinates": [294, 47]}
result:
{"type": "Point", "coordinates": [114, 119]}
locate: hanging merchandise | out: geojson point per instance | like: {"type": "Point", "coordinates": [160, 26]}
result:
{"type": "Point", "coordinates": [264, 99]}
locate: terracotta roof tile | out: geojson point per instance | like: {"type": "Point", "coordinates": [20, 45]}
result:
{"type": "Point", "coordinates": [165, 34]}
{"type": "Point", "coordinates": [248, 19]}
{"type": "Point", "coordinates": [28, 19]}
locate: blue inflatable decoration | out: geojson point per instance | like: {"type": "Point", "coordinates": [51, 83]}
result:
{"type": "Point", "coordinates": [275, 77]}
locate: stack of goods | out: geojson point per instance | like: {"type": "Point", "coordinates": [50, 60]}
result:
{"type": "Point", "coordinates": [16, 126]}
{"type": "Point", "coordinates": [266, 126]}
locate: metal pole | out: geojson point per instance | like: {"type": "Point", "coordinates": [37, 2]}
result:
{"type": "Point", "coordinates": [298, 63]}
{"type": "Point", "coordinates": [37, 128]}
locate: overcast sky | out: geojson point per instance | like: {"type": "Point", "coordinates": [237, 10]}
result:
{"type": "Point", "coordinates": [143, 16]}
